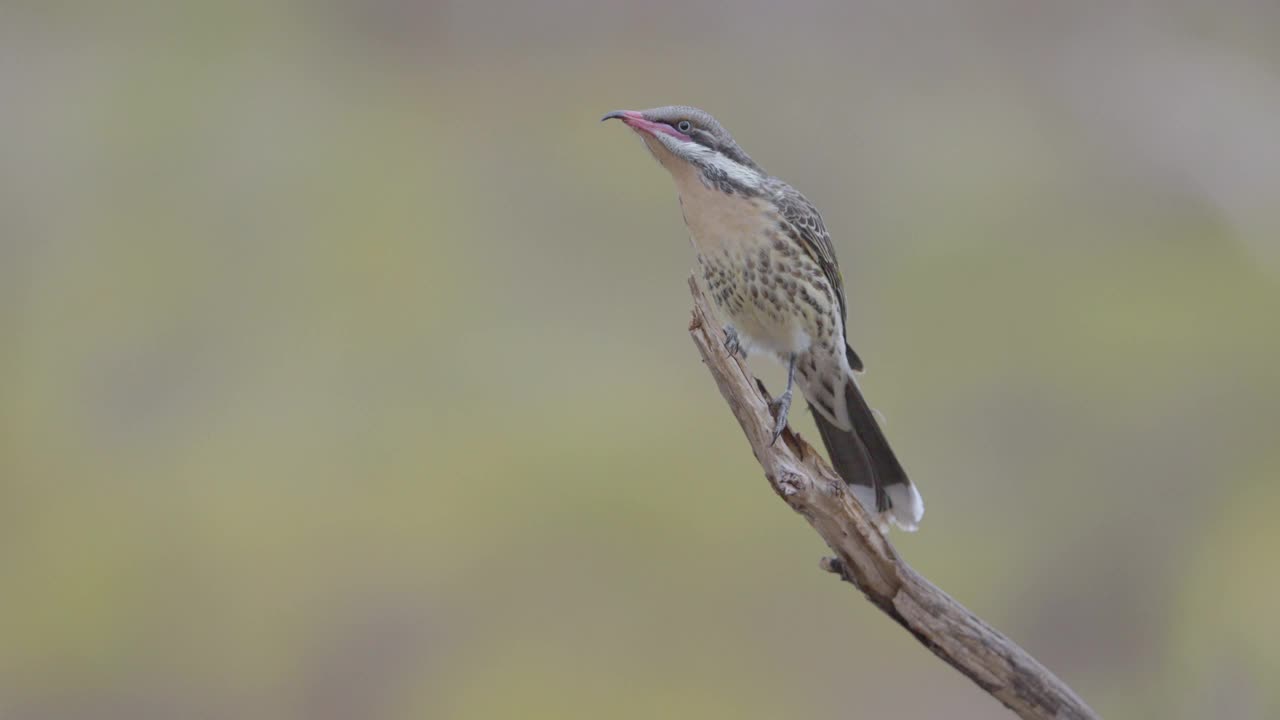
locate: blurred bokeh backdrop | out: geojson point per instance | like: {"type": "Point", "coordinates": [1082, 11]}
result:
{"type": "Point", "coordinates": [344, 374]}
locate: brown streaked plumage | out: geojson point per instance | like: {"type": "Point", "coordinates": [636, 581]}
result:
{"type": "Point", "coordinates": [768, 264]}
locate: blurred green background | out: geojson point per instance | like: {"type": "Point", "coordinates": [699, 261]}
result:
{"type": "Point", "coordinates": [344, 373]}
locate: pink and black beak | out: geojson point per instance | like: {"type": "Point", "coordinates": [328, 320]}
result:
{"type": "Point", "coordinates": [638, 122]}
{"type": "Point", "coordinates": [626, 116]}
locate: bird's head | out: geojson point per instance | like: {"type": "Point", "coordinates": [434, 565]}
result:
{"type": "Point", "coordinates": [682, 137]}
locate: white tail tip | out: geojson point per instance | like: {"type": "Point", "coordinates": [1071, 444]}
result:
{"type": "Point", "coordinates": [906, 506]}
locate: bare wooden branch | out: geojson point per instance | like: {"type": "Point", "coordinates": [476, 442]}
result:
{"type": "Point", "coordinates": [864, 558]}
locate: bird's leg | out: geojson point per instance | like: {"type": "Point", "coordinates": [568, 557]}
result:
{"type": "Point", "coordinates": [782, 404]}
{"type": "Point", "coordinates": [732, 344]}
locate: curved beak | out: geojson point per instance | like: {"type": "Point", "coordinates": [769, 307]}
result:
{"type": "Point", "coordinates": [622, 115]}
{"type": "Point", "coordinates": [638, 122]}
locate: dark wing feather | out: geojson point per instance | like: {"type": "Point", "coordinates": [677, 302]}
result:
{"type": "Point", "coordinates": [816, 241]}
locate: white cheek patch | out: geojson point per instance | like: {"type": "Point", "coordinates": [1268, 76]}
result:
{"type": "Point", "coordinates": [697, 154]}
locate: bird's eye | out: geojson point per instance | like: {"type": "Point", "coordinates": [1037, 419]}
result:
{"type": "Point", "coordinates": [684, 126]}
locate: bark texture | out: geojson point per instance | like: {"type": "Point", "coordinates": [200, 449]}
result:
{"type": "Point", "coordinates": [864, 557]}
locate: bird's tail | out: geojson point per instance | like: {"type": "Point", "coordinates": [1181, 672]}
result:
{"type": "Point", "coordinates": [863, 458]}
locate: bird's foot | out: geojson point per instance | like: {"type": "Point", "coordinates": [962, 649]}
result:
{"type": "Point", "coordinates": [732, 344]}
{"type": "Point", "coordinates": [778, 408]}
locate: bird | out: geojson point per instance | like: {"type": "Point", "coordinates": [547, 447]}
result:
{"type": "Point", "coordinates": [767, 262]}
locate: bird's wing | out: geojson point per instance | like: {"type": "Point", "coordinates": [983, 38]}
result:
{"type": "Point", "coordinates": [816, 241]}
